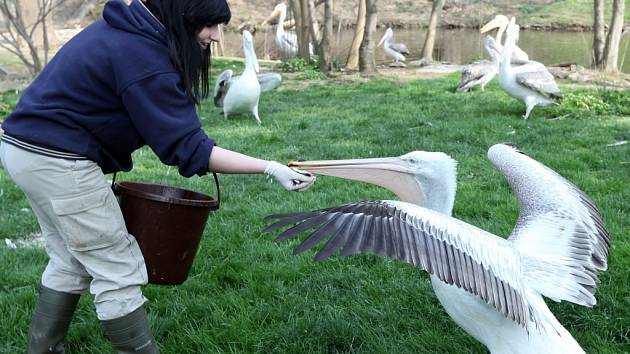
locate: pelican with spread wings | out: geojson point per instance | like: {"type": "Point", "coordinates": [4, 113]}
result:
{"type": "Point", "coordinates": [492, 287]}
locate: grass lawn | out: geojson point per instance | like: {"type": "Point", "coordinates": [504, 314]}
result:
{"type": "Point", "coordinates": [247, 294]}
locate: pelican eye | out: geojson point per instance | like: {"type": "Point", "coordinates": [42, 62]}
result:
{"type": "Point", "coordinates": [412, 160]}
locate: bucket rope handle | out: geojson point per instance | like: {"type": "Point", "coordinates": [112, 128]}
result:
{"type": "Point", "coordinates": [216, 182]}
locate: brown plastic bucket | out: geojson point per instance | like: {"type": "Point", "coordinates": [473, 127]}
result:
{"type": "Point", "coordinates": [168, 223]}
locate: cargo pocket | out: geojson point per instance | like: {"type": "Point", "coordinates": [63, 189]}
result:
{"type": "Point", "coordinates": [90, 221]}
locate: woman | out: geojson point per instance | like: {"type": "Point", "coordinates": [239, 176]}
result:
{"type": "Point", "coordinates": [129, 80]}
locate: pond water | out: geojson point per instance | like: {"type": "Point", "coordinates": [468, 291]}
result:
{"type": "Point", "coordinates": [457, 46]}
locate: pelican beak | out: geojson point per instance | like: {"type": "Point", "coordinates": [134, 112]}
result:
{"type": "Point", "coordinates": [391, 173]}
{"type": "Point", "coordinates": [382, 40]}
{"type": "Point", "coordinates": [273, 15]}
{"type": "Point", "coordinates": [496, 23]}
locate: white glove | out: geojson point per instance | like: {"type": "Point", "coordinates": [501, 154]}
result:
{"type": "Point", "coordinates": [290, 179]}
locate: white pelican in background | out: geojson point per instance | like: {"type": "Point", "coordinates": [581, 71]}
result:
{"type": "Point", "coordinates": [501, 22]}
{"type": "Point", "coordinates": [240, 94]}
{"type": "Point", "coordinates": [287, 42]}
{"type": "Point", "coordinates": [492, 287]}
{"type": "Point", "coordinates": [531, 82]}
{"type": "Point", "coordinates": [480, 73]}
{"type": "Point", "coordinates": [394, 50]}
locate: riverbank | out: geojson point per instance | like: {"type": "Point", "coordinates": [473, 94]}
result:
{"type": "Point", "coordinates": [564, 15]}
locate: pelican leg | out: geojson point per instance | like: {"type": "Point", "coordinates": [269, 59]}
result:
{"type": "Point", "coordinates": [225, 114]}
{"type": "Point", "coordinates": [255, 112]}
{"type": "Point", "coordinates": [529, 104]}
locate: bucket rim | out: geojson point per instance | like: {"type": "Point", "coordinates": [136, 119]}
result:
{"type": "Point", "coordinates": [127, 188]}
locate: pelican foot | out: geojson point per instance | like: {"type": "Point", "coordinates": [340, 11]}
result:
{"type": "Point", "coordinates": [397, 64]}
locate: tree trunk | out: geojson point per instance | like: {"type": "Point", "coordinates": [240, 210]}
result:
{"type": "Point", "coordinates": [599, 36]}
{"type": "Point", "coordinates": [367, 66]}
{"type": "Point", "coordinates": [325, 57]}
{"type": "Point", "coordinates": [353, 56]}
{"type": "Point", "coordinates": [314, 26]}
{"type": "Point", "coordinates": [429, 42]}
{"type": "Point", "coordinates": [303, 49]}
{"type": "Point", "coordinates": [296, 15]}
{"type": "Point", "coordinates": [611, 50]}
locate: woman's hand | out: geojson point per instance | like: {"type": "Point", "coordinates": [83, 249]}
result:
{"type": "Point", "coordinates": [290, 179]}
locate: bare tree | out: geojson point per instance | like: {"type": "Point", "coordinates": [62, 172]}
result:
{"type": "Point", "coordinates": [353, 56]}
{"type": "Point", "coordinates": [611, 50]}
{"type": "Point", "coordinates": [367, 65]}
{"type": "Point", "coordinates": [325, 57]}
{"type": "Point", "coordinates": [599, 39]}
{"type": "Point", "coordinates": [429, 42]}
{"type": "Point", "coordinates": [28, 31]}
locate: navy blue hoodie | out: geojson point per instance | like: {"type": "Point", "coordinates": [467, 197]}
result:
{"type": "Point", "coordinates": [111, 90]}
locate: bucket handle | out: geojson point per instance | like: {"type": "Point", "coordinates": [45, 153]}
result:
{"type": "Point", "coordinates": [117, 191]}
{"type": "Point", "coordinates": [216, 182]}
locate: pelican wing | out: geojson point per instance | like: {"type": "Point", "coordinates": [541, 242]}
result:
{"type": "Point", "coordinates": [289, 40]}
{"type": "Point", "coordinates": [535, 76]}
{"type": "Point", "coordinates": [519, 56]}
{"type": "Point", "coordinates": [269, 81]}
{"type": "Point", "coordinates": [222, 86]}
{"type": "Point", "coordinates": [474, 74]}
{"type": "Point", "coordinates": [559, 229]}
{"type": "Point", "coordinates": [400, 48]}
{"type": "Point", "coordinates": [454, 251]}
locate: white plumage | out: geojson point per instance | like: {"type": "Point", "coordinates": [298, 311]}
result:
{"type": "Point", "coordinates": [394, 50]}
{"type": "Point", "coordinates": [492, 287]}
{"type": "Point", "coordinates": [501, 22]}
{"type": "Point", "coordinates": [480, 73]}
{"type": "Point", "coordinates": [531, 83]}
{"type": "Point", "coordinates": [287, 42]}
{"type": "Point", "coordinates": [240, 94]}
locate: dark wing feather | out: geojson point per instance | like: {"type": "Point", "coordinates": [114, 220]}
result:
{"type": "Point", "coordinates": [425, 240]}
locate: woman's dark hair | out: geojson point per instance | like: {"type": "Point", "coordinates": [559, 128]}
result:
{"type": "Point", "coordinates": [183, 19]}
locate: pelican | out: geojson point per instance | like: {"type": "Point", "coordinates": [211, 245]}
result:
{"type": "Point", "coordinates": [394, 50]}
{"type": "Point", "coordinates": [532, 82]}
{"type": "Point", "coordinates": [490, 286]}
{"type": "Point", "coordinates": [287, 42]}
{"type": "Point", "coordinates": [501, 22]}
{"type": "Point", "coordinates": [240, 94]}
{"type": "Point", "coordinates": [482, 72]}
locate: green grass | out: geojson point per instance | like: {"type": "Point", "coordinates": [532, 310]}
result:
{"type": "Point", "coordinates": [247, 294]}
{"type": "Point", "coordinates": [564, 12]}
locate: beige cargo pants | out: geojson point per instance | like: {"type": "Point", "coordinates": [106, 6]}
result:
{"type": "Point", "coordinates": [86, 238]}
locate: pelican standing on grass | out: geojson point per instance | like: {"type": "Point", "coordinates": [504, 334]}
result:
{"type": "Point", "coordinates": [531, 82]}
{"type": "Point", "coordinates": [240, 94]}
{"type": "Point", "coordinates": [501, 22]}
{"type": "Point", "coordinates": [480, 73]}
{"type": "Point", "coordinates": [492, 287]}
{"type": "Point", "coordinates": [394, 50]}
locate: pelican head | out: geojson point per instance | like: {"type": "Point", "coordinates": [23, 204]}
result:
{"type": "Point", "coordinates": [387, 36]}
{"type": "Point", "coordinates": [280, 9]}
{"type": "Point", "coordinates": [512, 31]}
{"type": "Point", "coordinates": [499, 21]}
{"type": "Point", "coordinates": [248, 49]}
{"type": "Point", "coordinates": [419, 177]}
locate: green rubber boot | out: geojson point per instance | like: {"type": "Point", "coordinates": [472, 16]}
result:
{"type": "Point", "coordinates": [131, 333]}
{"type": "Point", "coordinates": [51, 320]}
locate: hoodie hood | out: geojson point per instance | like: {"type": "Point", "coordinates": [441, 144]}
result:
{"type": "Point", "coordinates": [134, 18]}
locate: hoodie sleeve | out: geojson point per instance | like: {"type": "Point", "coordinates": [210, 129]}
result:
{"type": "Point", "coordinates": [167, 121]}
